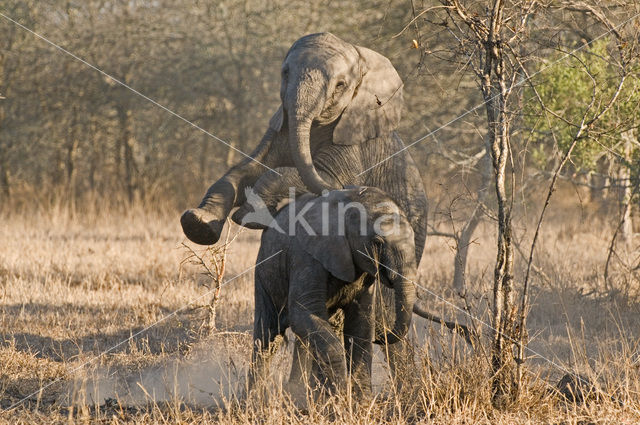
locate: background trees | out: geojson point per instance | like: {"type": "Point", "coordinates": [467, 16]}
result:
{"type": "Point", "coordinates": [71, 134]}
{"type": "Point", "coordinates": [607, 154]}
{"type": "Point", "coordinates": [581, 100]}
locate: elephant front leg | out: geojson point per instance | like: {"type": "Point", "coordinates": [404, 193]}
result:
{"type": "Point", "coordinates": [303, 362]}
{"type": "Point", "coordinates": [310, 322]}
{"type": "Point", "coordinates": [203, 225]}
{"type": "Point", "coordinates": [358, 337]}
{"type": "Point", "coordinates": [263, 198]}
{"type": "Point", "coordinates": [338, 166]}
{"type": "Point", "coordinates": [300, 364]}
{"type": "Point", "coordinates": [325, 348]}
{"type": "Point", "coordinates": [266, 327]}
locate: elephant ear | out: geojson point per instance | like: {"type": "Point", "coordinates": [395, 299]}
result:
{"type": "Point", "coordinates": [326, 245]}
{"type": "Point", "coordinates": [377, 103]}
{"type": "Point", "coordinates": [277, 119]}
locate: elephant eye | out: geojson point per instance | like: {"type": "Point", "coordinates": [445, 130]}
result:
{"type": "Point", "coordinates": [340, 85]}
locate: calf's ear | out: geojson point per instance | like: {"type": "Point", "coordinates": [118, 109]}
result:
{"type": "Point", "coordinates": [317, 233]}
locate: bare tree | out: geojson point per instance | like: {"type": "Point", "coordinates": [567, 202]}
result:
{"type": "Point", "coordinates": [483, 37]}
{"type": "Point", "coordinates": [503, 45]}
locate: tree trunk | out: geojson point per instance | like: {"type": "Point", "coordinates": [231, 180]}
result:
{"type": "Point", "coordinates": [231, 155]}
{"type": "Point", "coordinates": [58, 175]}
{"type": "Point", "coordinates": [72, 145]}
{"type": "Point", "coordinates": [118, 160]}
{"type": "Point", "coordinates": [596, 184]}
{"type": "Point", "coordinates": [494, 90]}
{"type": "Point", "coordinates": [93, 163]}
{"type": "Point", "coordinates": [130, 169]}
{"type": "Point", "coordinates": [464, 240]}
{"type": "Point", "coordinates": [204, 154]}
{"type": "Point", "coordinates": [626, 192]}
{"type": "Point", "coordinates": [126, 144]}
{"type": "Point", "coordinates": [5, 188]}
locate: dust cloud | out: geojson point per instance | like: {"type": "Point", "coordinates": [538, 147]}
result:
{"type": "Point", "coordinates": [212, 372]}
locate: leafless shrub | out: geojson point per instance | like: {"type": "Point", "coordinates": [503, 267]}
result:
{"type": "Point", "coordinates": [212, 261]}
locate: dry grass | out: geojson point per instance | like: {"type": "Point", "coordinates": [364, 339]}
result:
{"type": "Point", "coordinates": [71, 290]}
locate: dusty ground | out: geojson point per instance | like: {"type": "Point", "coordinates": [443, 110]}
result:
{"type": "Point", "coordinates": [99, 322]}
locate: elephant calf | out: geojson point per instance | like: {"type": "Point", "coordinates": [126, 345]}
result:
{"type": "Point", "coordinates": [319, 255]}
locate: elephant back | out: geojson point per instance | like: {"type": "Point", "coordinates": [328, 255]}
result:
{"type": "Point", "coordinates": [394, 171]}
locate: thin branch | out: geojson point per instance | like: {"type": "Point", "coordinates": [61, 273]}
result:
{"type": "Point", "coordinates": [584, 125]}
{"type": "Point", "coordinates": [612, 245]}
{"type": "Point", "coordinates": [415, 18]}
{"type": "Point", "coordinates": [470, 336]}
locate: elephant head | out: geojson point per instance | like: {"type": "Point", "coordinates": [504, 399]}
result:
{"type": "Point", "coordinates": [333, 94]}
{"type": "Point", "coordinates": [352, 231]}
{"type": "Point", "coordinates": [327, 82]}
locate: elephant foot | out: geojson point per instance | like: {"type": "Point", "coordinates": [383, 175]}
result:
{"type": "Point", "coordinates": [201, 227]}
{"type": "Point", "coordinates": [254, 217]}
{"type": "Point", "coordinates": [299, 394]}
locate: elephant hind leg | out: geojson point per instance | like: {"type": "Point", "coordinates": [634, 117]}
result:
{"type": "Point", "coordinates": [268, 323]}
{"type": "Point", "coordinates": [400, 357]}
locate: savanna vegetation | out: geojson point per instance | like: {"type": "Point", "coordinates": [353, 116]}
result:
{"type": "Point", "coordinates": [115, 117]}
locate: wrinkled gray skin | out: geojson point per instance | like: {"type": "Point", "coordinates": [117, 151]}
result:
{"type": "Point", "coordinates": [320, 269]}
{"type": "Point", "coordinates": [340, 107]}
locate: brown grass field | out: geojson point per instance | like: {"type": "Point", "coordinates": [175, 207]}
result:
{"type": "Point", "coordinates": [100, 324]}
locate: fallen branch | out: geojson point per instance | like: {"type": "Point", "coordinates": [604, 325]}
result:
{"type": "Point", "coordinates": [468, 335]}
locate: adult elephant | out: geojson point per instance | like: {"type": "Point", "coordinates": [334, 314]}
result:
{"type": "Point", "coordinates": [341, 105]}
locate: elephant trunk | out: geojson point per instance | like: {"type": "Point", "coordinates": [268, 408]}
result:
{"type": "Point", "coordinates": [402, 278]}
{"type": "Point", "coordinates": [300, 141]}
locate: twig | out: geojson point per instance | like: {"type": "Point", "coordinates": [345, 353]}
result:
{"type": "Point", "coordinates": [468, 335]}
{"type": "Point", "coordinates": [535, 268]}
{"type": "Point", "coordinates": [214, 269]}
{"type": "Point", "coordinates": [582, 128]}
{"type": "Point", "coordinates": [611, 249]}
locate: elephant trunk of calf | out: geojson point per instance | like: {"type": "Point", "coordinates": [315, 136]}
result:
{"type": "Point", "coordinates": [402, 279]}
